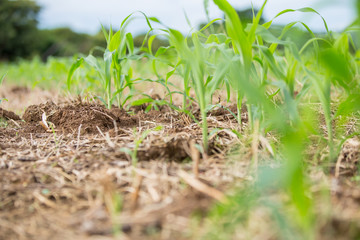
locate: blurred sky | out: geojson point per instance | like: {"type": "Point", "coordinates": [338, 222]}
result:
{"type": "Point", "coordinates": [86, 15]}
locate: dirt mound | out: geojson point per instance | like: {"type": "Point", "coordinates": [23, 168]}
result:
{"type": "Point", "coordinates": [173, 150]}
{"type": "Point", "coordinates": [19, 90]}
{"type": "Point", "coordinates": [8, 115]}
{"type": "Point", "coordinates": [69, 117]}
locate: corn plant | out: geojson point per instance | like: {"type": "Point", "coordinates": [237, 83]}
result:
{"type": "Point", "coordinates": [203, 74]}
{"type": "Point", "coordinates": [289, 179]}
{"type": "Point", "coordinates": [227, 221]}
{"type": "Point", "coordinates": [322, 86]}
{"type": "Point", "coordinates": [114, 69]}
{"type": "Point", "coordinates": [242, 45]}
{"type": "Point", "coordinates": [339, 71]}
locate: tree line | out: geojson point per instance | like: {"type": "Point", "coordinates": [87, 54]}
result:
{"type": "Point", "coordinates": [20, 36]}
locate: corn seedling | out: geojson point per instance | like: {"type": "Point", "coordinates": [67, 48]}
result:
{"type": "Point", "coordinates": [2, 78]}
{"type": "Point", "coordinates": [205, 75]}
{"type": "Point", "coordinates": [242, 45]}
{"type": "Point", "coordinates": [3, 99]}
{"type": "Point", "coordinates": [139, 138]}
{"type": "Point", "coordinates": [1, 81]}
{"type": "Point", "coordinates": [114, 69]}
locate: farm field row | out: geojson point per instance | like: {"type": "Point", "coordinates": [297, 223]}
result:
{"type": "Point", "coordinates": [229, 132]}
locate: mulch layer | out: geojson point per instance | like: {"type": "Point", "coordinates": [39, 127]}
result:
{"type": "Point", "coordinates": [64, 173]}
{"type": "Point", "coordinates": [67, 172]}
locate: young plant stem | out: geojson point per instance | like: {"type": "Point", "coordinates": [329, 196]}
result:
{"type": "Point", "coordinates": [184, 101]}
{"type": "Point", "coordinates": [204, 130]}
{"type": "Point", "coordinates": [118, 85]}
{"type": "Point", "coordinates": [327, 115]}
{"type": "Point", "coordinates": [250, 116]}
{"type": "Point", "coordinates": [186, 86]}
{"type": "Point", "coordinates": [255, 144]}
{"type": "Point", "coordinates": [324, 94]}
{"type": "Point", "coordinates": [239, 103]}
{"type": "Point", "coordinates": [108, 93]}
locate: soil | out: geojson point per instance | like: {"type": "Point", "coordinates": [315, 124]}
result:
{"type": "Point", "coordinates": [89, 118]}
{"type": "Point", "coordinates": [75, 178]}
{"type": "Point", "coordinates": [8, 115]}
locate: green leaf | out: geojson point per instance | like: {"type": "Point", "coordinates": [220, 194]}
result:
{"type": "Point", "coordinates": [125, 21]}
{"type": "Point", "coordinates": [311, 10]}
{"type": "Point", "coordinates": [305, 10]}
{"type": "Point", "coordinates": [126, 150]}
{"type": "Point", "coordinates": [210, 23]}
{"type": "Point", "coordinates": [236, 32]}
{"type": "Point", "coordinates": [206, 7]}
{"type": "Point", "coordinates": [150, 41]}
{"type": "Point", "coordinates": [73, 67]}
{"type": "Point", "coordinates": [161, 51]}
{"type": "Point", "coordinates": [106, 35]}
{"type": "Point", "coordinates": [101, 100]}
{"type": "Point", "coordinates": [169, 74]}
{"type": "Point", "coordinates": [3, 99]}
{"type": "Point", "coordinates": [115, 41]}
{"type": "Point", "coordinates": [235, 28]}
{"type": "Point", "coordinates": [265, 34]}
{"type": "Point", "coordinates": [158, 128]}
{"type": "Point", "coordinates": [313, 40]}
{"type": "Point", "coordinates": [338, 66]}
{"type": "Point", "coordinates": [92, 61]}
{"type": "Point", "coordinates": [2, 78]}
{"type": "Point", "coordinates": [272, 62]}
{"type": "Point", "coordinates": [128, 97]}
{"type": "Point", "coordinates": [349, 106]}
{"type": "Point", "coordinates": [254, 26]}
{"type": "Point", "coordinates": [154, 19]}
{"type": "Point", "coordinates": [130, 43]}
{"type": "Point", "coordinates": [148, 20]}
{"type": "Point", "coordinates": [220, 72]}
{"type": "Point", "coordinates": [141, 101]}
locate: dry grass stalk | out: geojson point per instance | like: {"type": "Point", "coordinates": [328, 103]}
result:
{"type": "Point", "coordinates": [195, 156]}
{"type": "Point", "coordinates": [106, 137]}
{"type": "Point", "coordinates": [44, 200]}
{"type": "Point", "coordinates": [135, 195]}
{"type": "Point", "coordinates": [17, 229]}
{"type": "Point", "coordinates": [337, 166]}
{"type": "Point", "coordinates": [202, 187]}
{"type": "Point", "coordinates": [78, 137]}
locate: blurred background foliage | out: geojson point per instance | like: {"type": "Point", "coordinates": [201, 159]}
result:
{"type": "Point", "coordinates": [20, 36]}
{"type": "Point", "coordinates": [18, 31]}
